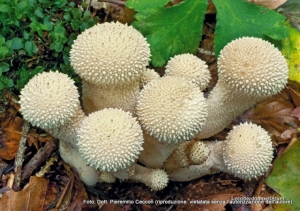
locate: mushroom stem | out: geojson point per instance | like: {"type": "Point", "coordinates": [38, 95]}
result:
{"type": "Point", "coordinates": [250, 70]}
{"type": "Point", "coordinates": [155, 152]}
{"type": "Point", "coordinates": [121, 95]}
{"type": "Point", "coordinates": [246, 153]}
{"type": "Point", "coordinates": [71, 155]}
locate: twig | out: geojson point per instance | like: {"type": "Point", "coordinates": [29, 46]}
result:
{"type": "Point", "coordinates": [89, 7]}
{"type": "Point", "coordinates": [20, 157]}
{"type": "Point", "coordinates": [113, 2]}
{"type": "Point", "coordinates": [38, 159]}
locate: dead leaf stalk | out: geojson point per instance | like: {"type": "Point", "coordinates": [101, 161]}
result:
{"type": "Point", "coordinates": [20, 157]}
{"type": "Point", "coordinates": [113, 2]}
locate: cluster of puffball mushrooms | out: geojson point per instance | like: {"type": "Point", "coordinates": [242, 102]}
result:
{"type": "Point", "coordinates": [135, 125]}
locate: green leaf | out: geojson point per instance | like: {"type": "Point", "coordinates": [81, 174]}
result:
{"type": "Point", "coordinates": [37, 27]}
{"type": "Point", "coordinates": [57, 46]}
{"type": "Point", "coordinates": [2, 40]}
{"type": "Point", "coordinates": [284, 177]}
{"type": "Point", "coordinates": [17, 43]}
{"type": "Point", "coordinates": [75, 24]}
{"type": "Point", "coordinates": [291, 51]}
{"type": "Point", "coordinates": [5, 8]}
{"type": "Point", "coordinates": [1, 85]}
{"type": "Point", "coordinates": [39, 12]}
{"type": "Point", "coordinates": [239, 18]}
{"type": "Point", "coordinates": [3, 51]}
{"type": "Point", "coordinates": [30, 47]}
{"type": "Point", "coordinates": [4, 67]}
{"type": "Point", "coordinates": [8, 82]}
{"type": "Point", "coordinates": [139, 5]}
{"type": "Point", "coordinates": [172, 30]}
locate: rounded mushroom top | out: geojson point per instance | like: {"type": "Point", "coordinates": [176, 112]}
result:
{"type": "Point", "coordinates": [199, 152]}
{"type": "Point", "coordinates": [110, 139]}
{"type": "Point", "coordinates": [248, 151]}
{"type": "Point", "coordinates": [49, 100]}
{"type": "Point", "coordinates": [157, 179]}
{"type": "Point", "coordinates": [191, 68]}
{"type": "Point", "coordinates": [147, 76]}
{"type": "Point", "coordinates": [171, 109]}
{"type": "Point", "coordinates": [110, 53]}
{"type": "Point", "coordinates": [253, 66]}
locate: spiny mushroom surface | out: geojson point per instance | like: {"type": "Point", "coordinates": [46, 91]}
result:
{"type": "Point", "coordinates": [49, 100]}
{"type": "Point", "coordinates": [190, 67]}
{"type": "Point", "coordinates": [171, 109]}
{"type": "Point", "coordinates": [147, 76]}
{"type": "Point", "coordinates": [250, 70]}
{"type": "Point", "coordinates": [110, 140]}
{"type": "Point", "coordinates": [248, 151]}
{"type": "Point", "coordinates": [110, 53]}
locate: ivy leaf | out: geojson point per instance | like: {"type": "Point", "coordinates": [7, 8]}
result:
{"type": "Point", "coordinates": [238, 18]}
{"type": "Point", "coordinates": [139, 5]}
{"type": "Point", "coordinates": [284, 177]}
{"type": "Point", "coordinates": [172, 30]}
{"type": "Point", "coordinates": [17, 43]}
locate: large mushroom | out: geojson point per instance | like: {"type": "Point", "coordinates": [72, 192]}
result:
{"type": "Point", "coordinates": [191, 68]}
{"type": "Point", "coordinates": [110, 57]}
{"type": "Point", "coordinates": [171, 110]}
{"type": "Point", "coordinates": [250, 70]}
{"type": "Point", "coordinates": [110, 140]}
{"type": "Point", "coordinates": [50, 101]}
{"type": "Point", "coordinates": [246, 153]}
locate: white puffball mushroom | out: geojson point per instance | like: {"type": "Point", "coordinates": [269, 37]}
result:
{"type": "Point", "coordinates": [250, 70]}
{"type": "Point", "coordinates": [107, 177]}
{"type": "Point", "coordinates": [121, 95]}
{"type": "Point", "coordinates": [110, 139]}
{"type": "Point", "coordinates": [147, 76]}
{"type": "Point", "coordinates": [191, 68]}
{"type": "Point", "coordinates": [156, 179]}
{"type": "Point", "coordinates": [248, 151]}
{"type": "Point", "coordinates": [110, 53]}
{"type": "Point", "coordinates": [69, 153]}
{"type": "Point", "coordinates": [171, 109]}
{"type": "Point", "coordinates": [49, 100]}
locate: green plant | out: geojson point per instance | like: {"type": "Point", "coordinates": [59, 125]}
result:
{"type": "Point", "coordinates": [36, 35]}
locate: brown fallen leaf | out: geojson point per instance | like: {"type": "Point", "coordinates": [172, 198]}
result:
{"type": "Point", "coordinates": [10, 133]}
{"type": "Point", "coordinates": [273, 114]}
{"type": "Point", "coordinates": [211, 196]}
{"type": "Point", "coordinates": [32, 197]}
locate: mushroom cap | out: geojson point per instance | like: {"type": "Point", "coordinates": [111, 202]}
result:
{"type": "Point", "coordinates": [248, 151]}
{"type": "Point", "coordinates": [171, 109]}
{"type": "Point", "coordinates": [49, 100]}
{"type": "Point", "coordinates": [110, 53]}
{"type": "Point", "coordinates": [191, 68]}
{"type": "Point", "coordinates": [253, 66]}
{"type": "Point", "coordinates": [157, 179]}
{"type": "Point", "coordinates": [147, 76]}
{"type": "Point", "coordinates": [199, 152]}
{"type": "Point", "coordinates": [110, 139]}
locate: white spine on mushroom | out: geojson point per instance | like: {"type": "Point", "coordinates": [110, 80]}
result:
{"type": "Point", "coordinates": [110, 139]}
{"type": "Point", "coordinates": [147, 76]}
{"type": "Point", "coordinates": [250, 70]}
{"type": "Point", "coordinates": [49, 100]}
{"type": "Point", "coordinates": [110, 53]}
{"type": "Point", "coordinates": [248, 151]}
{"type": "Point", "coordinates": [191, 68]}
{"type": "Point", "coordinates": [171, 109]}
